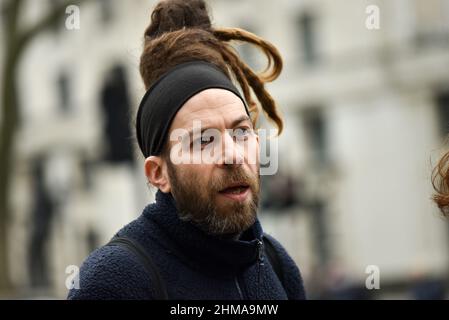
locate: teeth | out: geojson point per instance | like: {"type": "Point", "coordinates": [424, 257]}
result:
{"type": "Point", "coordinates": [236, 190]}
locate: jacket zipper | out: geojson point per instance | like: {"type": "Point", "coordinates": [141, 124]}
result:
{"type": "Point", "coordinates": [238, 287]}
{"type": "Point", "coordinates": [260, 263]}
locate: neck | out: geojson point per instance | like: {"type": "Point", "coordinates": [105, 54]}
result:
{"type": "Point", "coordinates": [221, 253]}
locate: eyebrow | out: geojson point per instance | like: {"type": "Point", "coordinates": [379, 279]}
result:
{"type": "Point", "coordinates": [239, 120]}
{"type": "Point", "coordinates": [234, 123]}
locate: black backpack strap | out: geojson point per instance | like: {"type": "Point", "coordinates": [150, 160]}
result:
{"type": "Point", "coordinates": [150, 266]}
{"type": "Point", "coordinates": [273, 257]}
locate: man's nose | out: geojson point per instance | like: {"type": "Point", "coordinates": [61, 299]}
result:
{"type": "Point", "coordinates": [231, 152]}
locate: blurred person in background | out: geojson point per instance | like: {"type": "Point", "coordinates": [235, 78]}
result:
{"type": "Point", "coordinates": [202, 238]}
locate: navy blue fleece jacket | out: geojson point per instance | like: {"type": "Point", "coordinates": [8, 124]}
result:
{"type": "Point", "coordinates": [192, 264]}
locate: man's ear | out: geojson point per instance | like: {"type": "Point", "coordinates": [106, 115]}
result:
{"type": "Point", "coordinates": [156, 172]}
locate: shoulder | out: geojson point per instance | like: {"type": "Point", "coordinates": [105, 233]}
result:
{"type": "Point", "coordinates": [112, 272]}
{"type": "Point", "coordinates": [291, 273]}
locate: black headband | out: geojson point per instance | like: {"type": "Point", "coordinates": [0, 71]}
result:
{"type": "Point", "coordinates": [170, 92]}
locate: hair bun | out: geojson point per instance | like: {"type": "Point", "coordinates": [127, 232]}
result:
{"type": "Point", "coordinates": [172, 15]}
{"type": "Point", "coordinates": [181, 31]}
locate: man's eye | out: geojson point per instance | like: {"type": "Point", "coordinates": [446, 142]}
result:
{"type": "Point", "coordinates": [242, 132]}
{"type": "Point", "coordinates": [206, 139]}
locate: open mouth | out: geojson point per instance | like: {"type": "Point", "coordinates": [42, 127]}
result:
{"type": "Point", "coordinates": [237, 191]}
{"type": "Point", "coordinates": [235, 188]}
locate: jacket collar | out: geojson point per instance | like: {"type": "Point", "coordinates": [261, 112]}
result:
{"type": "Point", "coordinates": [206, 251]}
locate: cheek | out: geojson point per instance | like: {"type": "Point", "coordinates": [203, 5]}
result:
{"type": "Point", "coordinates": [252, 155]}
{"type": "Point", "coordinates": [254, 169]}
{"type": "Point", "coordinates": [199, 172]}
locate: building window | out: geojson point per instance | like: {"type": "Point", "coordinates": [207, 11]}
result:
{"type": "Point", "coordinates": [307, 32]}
{"type": "Point", "coordinates": [315, 127]}
{"type": "Point", "coordinates": [63, 85]}
{"type": "Point", "coordinates": [442, 105]}
{"type": "Point", "coordinates": [115, 104]}
{"type": "Point", "coordinates": [106, 8]}
{"type": "Point", "coordinates": [432, 24]}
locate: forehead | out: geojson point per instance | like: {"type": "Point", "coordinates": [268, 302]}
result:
{"type": "Point", "coordinates": [212, 107]}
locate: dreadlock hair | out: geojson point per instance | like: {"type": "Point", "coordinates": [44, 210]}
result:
{"type": "Point", "coordinates": [181, 31]}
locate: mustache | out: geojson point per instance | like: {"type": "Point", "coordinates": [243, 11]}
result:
{"type": "Point", "coordinates": [238, 175]}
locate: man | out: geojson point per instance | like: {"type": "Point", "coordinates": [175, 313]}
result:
{"type": "Point", "coordinates": [201, 239]}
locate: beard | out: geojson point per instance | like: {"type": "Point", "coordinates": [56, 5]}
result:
{"type": "Point", "coordinates": [196, 202]}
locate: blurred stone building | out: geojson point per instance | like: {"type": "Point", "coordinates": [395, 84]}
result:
{"type": "Point", "coordinates": [366, 112]}
{"type": "Point", "coordinates": [77, 178]}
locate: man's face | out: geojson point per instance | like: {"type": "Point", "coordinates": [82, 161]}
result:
{"type": "Point", "coordinates": [219, 195]}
